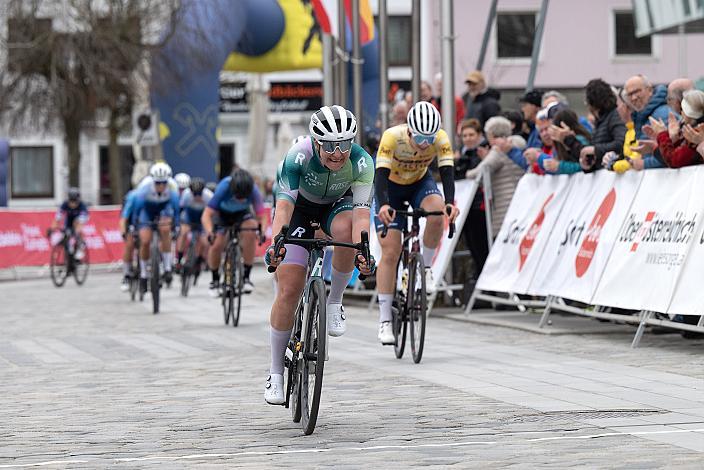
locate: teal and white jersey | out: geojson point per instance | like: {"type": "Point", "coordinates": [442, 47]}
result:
{"type": "Point", "coordinates": [303, 173]}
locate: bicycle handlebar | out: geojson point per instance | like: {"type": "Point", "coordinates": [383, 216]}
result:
{"type": "Point", "coordinates": [362, 246]}
{"type": "Point", "coordinates": [418, 214]}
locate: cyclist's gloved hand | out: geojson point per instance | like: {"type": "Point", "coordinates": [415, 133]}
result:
{"type": "Point", "coordinates": [386, 214]}
{"type": "Point", "coordinates": [452, 211]}
{"type": "Point", "coordinates": [211, 238]}
{"type": "Point", "coordinates": [272, 260]}
{"type": "Point", "coordinates": [366, 267]}
{"type": "Point", "coordinates": [262, 238]}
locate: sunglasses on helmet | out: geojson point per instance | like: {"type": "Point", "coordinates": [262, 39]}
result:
{"type": "Point", "coordinates": [421, 139]}
{"type": "Point", "coordinates": [329, 147]}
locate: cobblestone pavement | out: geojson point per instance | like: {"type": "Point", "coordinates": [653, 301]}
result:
{"type": "Point", "coordinates": [90, 380]}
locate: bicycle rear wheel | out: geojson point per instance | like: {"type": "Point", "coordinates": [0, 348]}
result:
{"type": "Point", "coordinates": [80, 266]}
{"type": "Point", "coordinates": [155, 281]}
{"type": "Point", "coordinates": [313, 363]}
{"type": "Point", "coordinates": [398, 312]}
{"type": "Point", "coordinates": [188, 268]}
{"type": "Point", "coordinates": [417, 305]}
{"type": "Point", "coordinates": [58, 267]}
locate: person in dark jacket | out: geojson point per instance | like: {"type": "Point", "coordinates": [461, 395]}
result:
{"type": "Point", "coordinates": [481, 102]}
{"type": "Point", "coordinates": [531, 103]}
{"type": "Point", "coordinates": [474, 149]}
{"type": "Point", "coordinates": [609, 129]}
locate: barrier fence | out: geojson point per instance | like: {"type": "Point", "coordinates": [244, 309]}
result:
{"type": "Point", "coordinates": [633, 241]}
{"type": "Point", "coordinates": [23, 240]}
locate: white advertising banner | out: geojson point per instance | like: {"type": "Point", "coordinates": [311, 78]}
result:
{"type": "Point", "coordinates": [524, 233]}
{"type": "Point", "coordinates": [652, 244]}
{"type": "Point", "coordinates": [464, 194]}
{"type": "Point", "coordinates": [689, 293]}
{"type": "Point", "coordinates": [584, 234]}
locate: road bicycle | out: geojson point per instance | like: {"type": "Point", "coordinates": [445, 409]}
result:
{"type": "Point", "coordinates": [69, 257]}
{"type": "Point", "coordinates": [233, 275]}
{"type": "Point", "coordinates": [410, 304]}
{"type": "Point", "coordinates": [307, 348]}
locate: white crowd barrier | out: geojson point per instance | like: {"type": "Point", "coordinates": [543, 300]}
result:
{"type": "Point", "coordinates": [633, 241]}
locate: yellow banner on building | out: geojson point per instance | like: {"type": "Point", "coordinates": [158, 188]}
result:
{"type": "Point", "coordinates": [299, 48]}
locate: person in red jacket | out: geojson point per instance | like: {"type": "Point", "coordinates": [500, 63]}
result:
{"type": "Point", "coordinates": [674, 148]}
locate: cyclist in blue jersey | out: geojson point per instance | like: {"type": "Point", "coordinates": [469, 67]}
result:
{"type": "Point", "coordinates": [73, 213]}
{"type": "Point", "coordinates": [325, 183]}
{"type": "Point", "coordinates": [193, 202]}
{"type": "Point", "coordinates": [156, 201]}
{"type": "Point", "coordinates": [232, 203]}
{"type": "Point", "coordinates": [183, 181]}
{"type": "Point", "coordinates": [127, 224]}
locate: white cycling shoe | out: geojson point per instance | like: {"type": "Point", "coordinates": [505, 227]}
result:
{"type": "Point", "coordinates": [386, 333]}
{"type": "Point", "coordinates": [430, 287]}
{"type": "Point", "coordinates": [336, 320]}
{"type": "Point", "coordinates": [274, 389]}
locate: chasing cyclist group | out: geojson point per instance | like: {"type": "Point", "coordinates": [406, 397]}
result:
{"type": "Point", "coordinates": [327, 184]}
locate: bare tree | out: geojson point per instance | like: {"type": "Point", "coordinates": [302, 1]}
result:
{"type": "Point", "coordinates": [92, 56]}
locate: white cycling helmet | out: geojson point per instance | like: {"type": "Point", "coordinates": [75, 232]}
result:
{"type": "Point", "coordinates": [182, 180]}
{"type": "Point", "coordinates": [333, 124]}
{"type": "Point", "coordinates": [423, 118]}
{"type": "Point", "coordinates": [160, 172]}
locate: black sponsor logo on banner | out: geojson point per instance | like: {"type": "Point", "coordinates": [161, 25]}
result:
{"type": "Point", "coordinates": [283, 97]}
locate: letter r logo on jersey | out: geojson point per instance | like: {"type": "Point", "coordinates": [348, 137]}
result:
{"type": "Point", "coordinates": [300, 158]}
{"type": "Point", "coordinates": [298, 232]}
{"type": "Point", "coordinates": [361, 164]}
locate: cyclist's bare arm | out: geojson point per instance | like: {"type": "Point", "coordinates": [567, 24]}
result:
{"type": "Point", "coordinates": [207, 219]}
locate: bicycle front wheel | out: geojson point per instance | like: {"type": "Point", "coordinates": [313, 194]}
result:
{"type": "Point", "coordinates": [80, 266]}
{"type": "Point", "coordinates": [398, 309]}
{"type": "Point", "coordinates": [58, 267]}
{"type": "Point", "coordinates": [314, 344]}
{"type": "Point", "coordinates": [154, 282]}
{"type": "Point", "coordinates": [238, 283]}
{"type": "Point", "coordinates": [417, 305]}
{"type": "Point", "coordinates": [187, 269]}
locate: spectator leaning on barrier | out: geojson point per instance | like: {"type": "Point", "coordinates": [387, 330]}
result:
{"type": "Point", "coordinates": [676, 150]}
{"type": "Point", "coordinates": [504, 173]}
{"type": "Point", "coordinates": [481, 102]}
{"type": "Point", "coordinates": [518, 125]}
{"type": "Point", "coordinates": [569, 137]}
{"type": "Point", "coordinates": [647, 101]}
{"type": "Point", "coordinates": [675, 93]}
{"type": "Point", "coordinates": [535, 157]}
{"type": "Point", "coordinates": [474, 150]}
{"type": "Point", "coordinates": [530, 105]}
{"type": "Point", "coordinates": [609, 130]}
{"type": "Point", "coordinates": [399, 112]}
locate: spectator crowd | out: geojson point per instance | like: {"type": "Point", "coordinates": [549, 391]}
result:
{"type": "Point", "coordinates": [636, 127]}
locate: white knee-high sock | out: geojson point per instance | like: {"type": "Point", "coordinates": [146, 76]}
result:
{"type": "Point", "coordinates": [385, 301]}
{"type": "Point", "coordinates": [338, 283]}
{"type": "Point", "coordinates": [428, 254]}
{"type": "Point", "coordinates": [279, 341]}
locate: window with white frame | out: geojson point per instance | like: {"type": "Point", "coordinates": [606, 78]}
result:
{"type": "Point", "coordinates": [399, 39]}
{"type": "Point", "coordinates": [514, 34]}
{"type": "Point", "coordinates": [32, 172]}
{"type": "Point", "coordinates": [625, 41]}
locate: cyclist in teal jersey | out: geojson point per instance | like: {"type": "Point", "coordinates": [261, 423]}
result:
{"type": "Point", "coordinates": [325, 183]}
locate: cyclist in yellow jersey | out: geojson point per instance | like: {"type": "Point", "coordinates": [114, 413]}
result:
{"type": "Point", "coordinates": [405, 153]}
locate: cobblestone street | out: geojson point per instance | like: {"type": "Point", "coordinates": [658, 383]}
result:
{"type": "Point", "coordinates": [90, 380]}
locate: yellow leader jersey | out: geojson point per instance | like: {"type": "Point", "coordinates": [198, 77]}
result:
{"type": "Point", "coordinates": [407, 165]}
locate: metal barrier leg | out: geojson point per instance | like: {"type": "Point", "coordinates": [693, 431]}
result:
{"type": "Point", "coordinates": [470, 304]}
{"type": "Point", "coordinates": [546, 313]}
{"type": "Point", "coordinates": [701, 321]}
{"type": "Point", "coordinates": [521, 308]}
{"type": "Point", "coordinates": [644, 317]}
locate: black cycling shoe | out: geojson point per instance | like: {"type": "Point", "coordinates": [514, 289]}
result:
{"type": "Point", "coordinates": [143, 285]}
{"type": "Point", "coordinates": [168, 277]}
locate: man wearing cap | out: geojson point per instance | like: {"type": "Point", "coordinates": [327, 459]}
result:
{"type": "Point", "coordinates": [530, 105]}
{"type": "Point", "coordinates": [481, 102]}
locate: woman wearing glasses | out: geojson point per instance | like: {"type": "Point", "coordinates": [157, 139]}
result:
{"type": "Point", "coordinates": [405, 153]}
{"type": "Point", "coordinates": [325, 183]}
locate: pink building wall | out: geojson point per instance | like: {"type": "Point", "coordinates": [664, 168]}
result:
{"type": "Point", "coordinates": [577, 46]}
